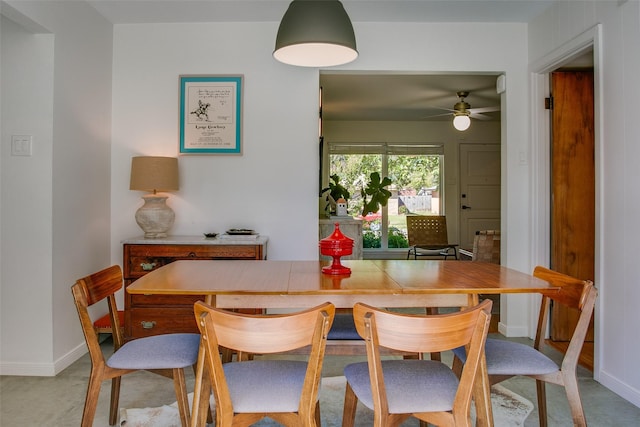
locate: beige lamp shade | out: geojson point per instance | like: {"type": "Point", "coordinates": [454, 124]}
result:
{"type": "Point", "coordinates": [154, 174]}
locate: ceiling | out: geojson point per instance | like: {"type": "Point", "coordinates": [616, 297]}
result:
{"type": "Point", "coordinates": [403, 97]}
{"type": "Point", "coordinates": [172, 11]}
{"type": "Point", "coordinates": [358, 96]}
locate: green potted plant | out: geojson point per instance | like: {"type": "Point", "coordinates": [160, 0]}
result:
{"type": "Point", "coordinates": [374, 194]}
{"type": "Point", "coordinates": [335, 191]}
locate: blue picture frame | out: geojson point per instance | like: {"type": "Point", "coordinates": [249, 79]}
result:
{"type": "Point", "coordinates": [211, 114]}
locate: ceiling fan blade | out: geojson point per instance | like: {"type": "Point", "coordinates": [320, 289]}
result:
{"type": "Point", "coordinates": [438, 115]}
{"type": "Point", "coordinates": [484, 109]}
{"type": "Point", "coordinates": [479, 116]}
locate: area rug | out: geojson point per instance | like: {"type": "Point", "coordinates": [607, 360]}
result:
{"type": "Point", "coordinates": [509, 410]}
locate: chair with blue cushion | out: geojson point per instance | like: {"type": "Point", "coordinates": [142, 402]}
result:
{"type": "Point", "coordinates": [166, 355]}
{"type": "Point", "coordinates": [252, 387]}
{"type": "Point", "coordinates": [425, 389]}
{"type": "Point", "coordinates": [506, 359]}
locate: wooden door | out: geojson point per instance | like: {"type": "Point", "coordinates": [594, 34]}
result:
{"type": "Point", "coordinates": [479, 190]}
{"type": "Point", "coordinates": [572, 187]}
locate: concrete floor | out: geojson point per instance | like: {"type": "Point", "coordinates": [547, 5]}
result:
{"type": "Point", "coordinates": [58, 401]}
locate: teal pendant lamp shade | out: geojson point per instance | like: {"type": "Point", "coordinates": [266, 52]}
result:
{"type": "Point", "coordinates": [315, 33]}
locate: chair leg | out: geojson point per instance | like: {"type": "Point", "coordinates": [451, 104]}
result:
{"type": "Point", "coordinates": [575, 403]}
{"type": "Point", "coordinates": [210, 419]}
{"type": "Point", "coordinates": [456, 366]}
{"type": "Point", "coordinates": [350, 405]}
{"type": "Point", "coordinates": [542, 402]}
{"type": "Point", "coordinates": [115, 398]}
{"type": "Point", "coordinates": [180, 386]}
{"type": "Point", "coordinates": [91, 400]}
{"type": "Point", "coordinates": [317, 414]}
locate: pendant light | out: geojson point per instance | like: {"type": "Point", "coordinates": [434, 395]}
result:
{"type": "Point", "coordinates": [315, 33]}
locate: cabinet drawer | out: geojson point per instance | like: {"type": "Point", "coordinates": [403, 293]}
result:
{"type": "Point", "coordinates": [141, 259]}
{"type": "Point", "coordinates": [137, 300]}
{"type": "Point", "coordinates": [153, 321]}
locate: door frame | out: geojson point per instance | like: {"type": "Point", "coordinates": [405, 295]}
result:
{"type": "Point", "coordinates": [540, 158]}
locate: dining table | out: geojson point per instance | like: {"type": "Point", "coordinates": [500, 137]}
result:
{"type": "Point", "coordinates": [272, 284]}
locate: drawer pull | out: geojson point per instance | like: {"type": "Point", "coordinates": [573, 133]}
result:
{"type": "Point", "coordinates": [148, 266]}
{"type": "Point", "coordinates": [148, 324]}
{"type": "Point", "coordinates": [192, 255]}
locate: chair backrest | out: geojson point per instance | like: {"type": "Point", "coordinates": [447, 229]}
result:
{"type": "Point", "coordinates": [574, 293]}
{"type": "Point", "coordinates": [427, 230]}
{"type": "Point", "coordinates": [486, 246]}
{"type": "Point", "coordinates": [249, 334]}
{"type": "Point", "coordinates": [91, 290]}
{"type": "Point", "coordinates": [424, 334]}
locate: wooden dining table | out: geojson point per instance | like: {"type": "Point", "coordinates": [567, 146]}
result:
{"type": "Point", "coordinates": [270, 284]}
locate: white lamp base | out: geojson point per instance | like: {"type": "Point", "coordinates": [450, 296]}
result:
{"type": "Point", "coordinates": [155, 217]}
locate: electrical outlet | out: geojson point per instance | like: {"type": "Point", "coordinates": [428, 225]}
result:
{"type": "Point", "coordinates": [21, 145]}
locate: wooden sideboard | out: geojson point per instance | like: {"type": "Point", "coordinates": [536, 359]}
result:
{"type": "Point", "coordinates": [147, 315]}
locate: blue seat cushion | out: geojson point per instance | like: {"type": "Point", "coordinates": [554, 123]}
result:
{"type": "Point", "coordinates": [265, 385]}
{"type": "Point", "coordinates": [512, 358]}
{"type": "Point", "coordinates": [411, 385]}
{"type": "Point", "coordinates": [343, 328]}
{"type": "Point", "coordinates": [166, 351]}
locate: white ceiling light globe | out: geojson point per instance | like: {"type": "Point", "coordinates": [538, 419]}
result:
{"type": "Point", "coordinates": [461, 122]}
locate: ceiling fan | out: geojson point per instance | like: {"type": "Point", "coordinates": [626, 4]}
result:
{"type": "Point", "coordinates": [463, 109]}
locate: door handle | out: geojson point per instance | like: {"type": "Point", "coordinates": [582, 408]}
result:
{"type": "Point", "coordinates": [466, 207]}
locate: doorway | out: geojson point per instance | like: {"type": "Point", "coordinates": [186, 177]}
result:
{"type": "Point", "coordinates": [479, 190]}
{"type": "Point", "coordinates": [585, 46]}
{"type": "Point", "coordinates": [572, 194]}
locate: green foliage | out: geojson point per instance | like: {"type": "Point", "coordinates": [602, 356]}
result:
{"type": "Point", "coordinates": [407, 172]}
{"type": "Point", "coordinates": [397, 239]}
{"type": "Point", "coordinates": [370, 239]}
{"type": "Point", "coordinates": [375, 194]}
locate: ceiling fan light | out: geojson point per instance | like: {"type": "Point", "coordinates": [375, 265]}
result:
{"type": "Point", "coordinates": [461, 122]}
{"type": "Point", "coordinates": [315, 33]}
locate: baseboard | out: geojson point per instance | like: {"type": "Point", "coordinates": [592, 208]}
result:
{"type": "Point", "coordinates": [43, 369]}
{"type": "Point", "coordinates": [510, 332]}
{"type": "Point", "coordinates": [620, 388]}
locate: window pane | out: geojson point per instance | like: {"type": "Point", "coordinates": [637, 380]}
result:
{"type": "Point", "coordinates": [354, 171]}
{"type": "Point", "coordinates": [415, 188]}
{"type": "Point", "coordinates": [417, 178]}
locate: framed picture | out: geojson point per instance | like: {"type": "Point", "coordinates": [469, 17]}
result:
{"type": "Point", "coordinates": [211, 114]}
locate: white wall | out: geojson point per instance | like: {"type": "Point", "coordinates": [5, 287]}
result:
{"type": "Point", "coordinates": [280, 157]}
{"type": "Point", "coordinates": [617, 154]}
{"type": "Point", "coordinates": [55, 204]}
{"type": "Point", "coordinates": [26, 216]}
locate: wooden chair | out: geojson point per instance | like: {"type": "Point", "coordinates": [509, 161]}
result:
{"type": "Point", "coordinates": [246, 391]}
{"type": "Point", "coordinates": [425, 389]}
{"type": "Point", "coordinates": [427, 235]}
{"type": "Point", "coordinates": [486, 246]}
{"type": "Point", "coordinates": [506, 359]}
{"type": "Point", "coordinates": [166, 355]}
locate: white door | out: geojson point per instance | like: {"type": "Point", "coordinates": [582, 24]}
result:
{"type": "Point", "coordinates": [479, 190]}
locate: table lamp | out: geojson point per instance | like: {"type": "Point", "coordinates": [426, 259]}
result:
{"type": "Point", "coordinates": [154, 174]}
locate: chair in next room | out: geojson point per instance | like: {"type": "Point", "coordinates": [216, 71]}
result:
{"type": "Point", "coordinates": [427, 235]}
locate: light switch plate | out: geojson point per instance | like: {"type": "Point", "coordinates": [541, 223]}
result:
{"type": "Point", "coordinates": [21, 145]}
